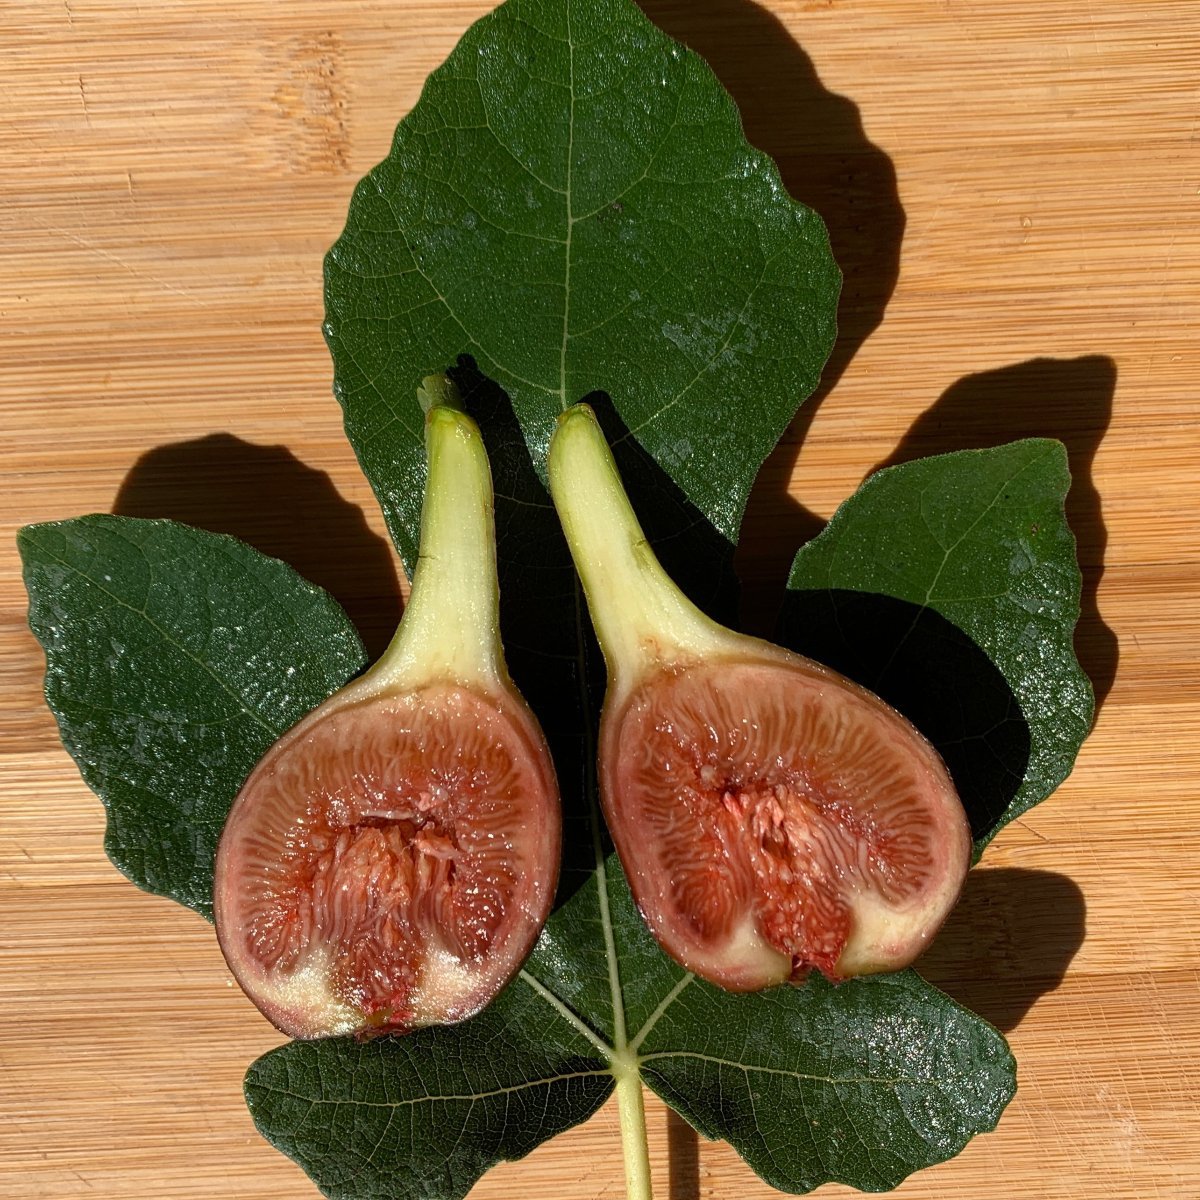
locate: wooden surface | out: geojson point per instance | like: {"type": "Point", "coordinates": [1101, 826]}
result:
{"type": "Point", "coordinates": [1013, 188]}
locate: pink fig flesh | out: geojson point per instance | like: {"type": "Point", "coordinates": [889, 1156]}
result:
{"type": "Point", "coordinates": [390, 862]}
{"type": "Point", "coordinates": [773, 817]}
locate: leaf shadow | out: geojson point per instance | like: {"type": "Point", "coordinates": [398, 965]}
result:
{"type": "Point", "coordinates": [1066, 398]}
{"type": "Point", "coordinates": [930, 670]}
{"type": "Point", "coordinates": [1008, 942]}
{"type": "Point", "coordinates": [683, 1159]}
{"type": "Point", "coordinates": [265, 496]}
{"type": "Point", "coordinates": [827, 162]}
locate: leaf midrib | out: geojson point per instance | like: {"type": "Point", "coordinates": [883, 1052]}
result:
{"type": "Point", "coordinates": [620, 1039]}
{"type": "Point", "coordinates": [570, 222]}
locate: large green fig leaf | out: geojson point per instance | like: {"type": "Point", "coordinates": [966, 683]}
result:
{"type": "Point", "coordinates": [950, 586]}
{"type": "Point", "coordinates": [572, 203]}
{"type": "Point", "coordinates": [174, 658]}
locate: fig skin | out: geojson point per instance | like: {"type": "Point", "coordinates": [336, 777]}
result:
{"type": "Point", "coordinates": [779, 865]}
{"type": "Point", "coordinates": [450, 863]}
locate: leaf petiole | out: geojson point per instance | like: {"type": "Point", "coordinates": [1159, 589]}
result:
{"type": "Point", "coordinates": [631, 1111]}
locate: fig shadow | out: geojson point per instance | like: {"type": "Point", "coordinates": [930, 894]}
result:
{"type": "Point", "coordinates": [1008, 942]}
{"type": "Point", "coordinates": [549, 645]}
{"type": "Point", "coordinates": [268, 498]}
{"type": "Point", "coordinates": [927, 668]}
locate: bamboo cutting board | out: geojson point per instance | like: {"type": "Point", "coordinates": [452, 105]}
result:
{"type": "Point", "coordinates": [1013, 191]}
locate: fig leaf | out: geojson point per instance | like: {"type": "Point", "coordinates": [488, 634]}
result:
{"type": "Point", "coordinates": [427, 1114]}
{"type": "Point", "coordinates": [561, 214]}
{"type": "Point", "coordinates": [950, 586]}
{"type": "Point", "coordinates": [573, 204]}
{"type": "Point", "coordinates": [169, 652]}
{"type": "Point", "coordinates": [174, 658]}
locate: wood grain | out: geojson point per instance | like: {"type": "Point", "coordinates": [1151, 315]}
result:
{"type": "Point", "coordinates": [1013, 188]}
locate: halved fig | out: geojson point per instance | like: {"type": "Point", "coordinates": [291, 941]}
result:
{"type": "Point", "coordinates": [771, 815]}
{"type": "Point", "coordinates": [391, 860]}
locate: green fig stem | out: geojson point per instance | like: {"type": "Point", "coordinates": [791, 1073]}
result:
{"type": "Point", "coordinates": [631, 1112]}
{"type": "Point", "coordinates": [450, 630]}
{"type": "Point", "coordinates": [438, 390]}
{"type": "Point", "coordinates": [640, 615]}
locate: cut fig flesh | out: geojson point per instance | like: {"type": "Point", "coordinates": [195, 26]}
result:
{"type": "Point", "coordinates": [390, 862]}
{"type": "Point", "coordinates": [772, 817]}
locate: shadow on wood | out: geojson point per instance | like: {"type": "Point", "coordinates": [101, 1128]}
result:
{"type": "Point", "coordinates": [1066, 398]}
{"type": "Point", "coordinates": [827, 161]}
{"type": "Point", "coordinates": [1009, 941]}
{"type": "Point", "coordinates": [683, 1159]}
{"type": "Point", "coordinates": [267, 497]}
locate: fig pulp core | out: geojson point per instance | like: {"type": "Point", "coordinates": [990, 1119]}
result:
{"type": "Point", "coordinates": [384, 865]}
{"type": "Point", "coordinates": [774, 817]}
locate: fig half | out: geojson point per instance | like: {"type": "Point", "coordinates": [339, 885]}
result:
{"type": "Point", "coordinates": [771, 815]}
{"type": "Point", "coordinates": [390, 861]}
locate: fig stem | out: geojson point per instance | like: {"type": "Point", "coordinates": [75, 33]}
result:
{"type": "Point", "coordinates": [450, 631]}
{"type": "Point", "coordinates": [631, 1110]}
{"type": "Point", "coordinates": [641, 616]}
{"type": "Point", "coordinates": [438, 390]}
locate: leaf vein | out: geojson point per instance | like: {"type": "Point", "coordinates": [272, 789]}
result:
{"type": "Point", "coordinates": [430, 1098]}
{"type": "Point", "coordinates": [170, 641]}
{"type": "Point", "coordinates": [753, 1068]}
